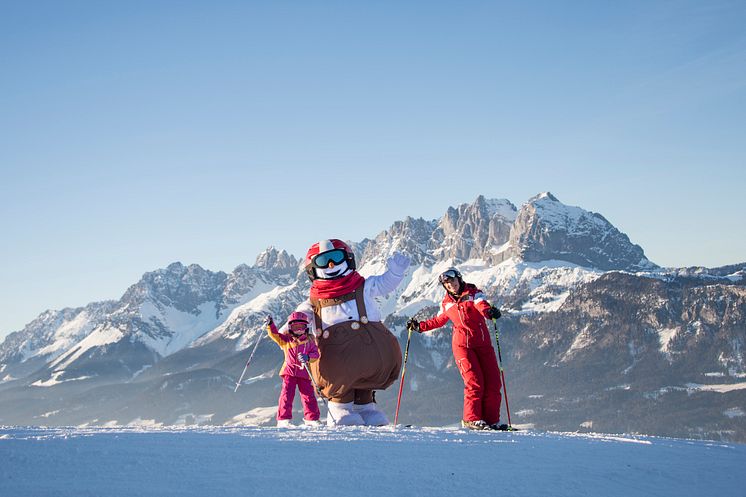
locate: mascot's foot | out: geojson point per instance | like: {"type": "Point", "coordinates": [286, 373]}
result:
{"type": "Point", "coordinates": [372, 416]}
{"type": "Point", "coordinates": [343, 415]}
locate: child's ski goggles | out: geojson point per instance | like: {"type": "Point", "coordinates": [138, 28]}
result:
{"type": "Point", "coordinates": [321, 261]}
{"type": "Point", "coordinates": [296, 326]}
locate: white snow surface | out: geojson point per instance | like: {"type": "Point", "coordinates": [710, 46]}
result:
{"type": "Point", "coordinates": [54, 380]}
{"type": "Point", "coordinates": [567, 217]}
{"type": "Point", "coordinates": [99, 337]}
{"type": "Point", "coordinates": [501, 207]}
{"type": "Point", "coordinates": [665, 336]}
{"type": "Point", "coordinates": [432, 462]}
{"type": "Point", "coordinates": [69, 332]}
{"type": "Point", "coordinates": [186, 326]}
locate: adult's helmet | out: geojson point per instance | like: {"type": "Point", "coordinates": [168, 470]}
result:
{"type": "Point", "coordinates": [327, 251]}
{"type": "Point", "coordinates": [450, 274]}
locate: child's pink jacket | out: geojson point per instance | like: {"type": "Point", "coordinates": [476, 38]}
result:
{"type": "Point", "coordinates": [292, 346]}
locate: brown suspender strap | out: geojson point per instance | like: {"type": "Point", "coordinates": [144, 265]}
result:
{"type": "Point", "coordinates": [318, 304]}
{"type": "Point", "coordinates": [360, 301]}
{"type": "Point", "coordinates": [358, 295]}
{"type": "Point", "coordinates": [316, 315]}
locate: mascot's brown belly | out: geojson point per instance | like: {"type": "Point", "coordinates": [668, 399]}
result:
{"type": "Point", "coordinates": [356, 358]}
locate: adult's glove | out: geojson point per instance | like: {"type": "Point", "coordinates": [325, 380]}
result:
{"type": "Point", "coordinates": [267, 320]}
{"type": "Point", "coordinates": [493, 312]}
{"type": "Point", "coordinates": [398, 263]}
{"type": "Point", "coordinates": [303, 358]}
{"type": "Point", "coordinates": [413, 325]}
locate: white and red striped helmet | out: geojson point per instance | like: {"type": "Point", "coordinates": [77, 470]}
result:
{"type": "Point", "coordinates": [330, 248]}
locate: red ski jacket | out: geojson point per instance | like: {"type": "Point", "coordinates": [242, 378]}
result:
{"type": "Point", "coordinates": [467, 312]}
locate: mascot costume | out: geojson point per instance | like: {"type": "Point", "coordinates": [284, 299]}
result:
{"type": "Point", "coordinates": [358, 353]}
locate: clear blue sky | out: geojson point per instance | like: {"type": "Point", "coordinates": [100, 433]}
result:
{"type": "Point", "coordinates": [134, 134]}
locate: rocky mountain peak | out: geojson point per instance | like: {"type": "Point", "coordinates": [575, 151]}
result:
{"type": "Point", "coordinates": [178, 286]}
{"type": "Point", "coordinates": [547, 229]}
{"type": "Point", "coordinates": [411, 236]}
{"type": "Point", "coordinates": [543, 196]}
{"type": "Point", "coordinates": [475, 230]}
{"type": "Point", "coordinates": [277, 261]}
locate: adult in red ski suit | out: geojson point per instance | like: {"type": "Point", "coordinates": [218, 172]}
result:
{"type": "Point", "coordinates": [467, 307]}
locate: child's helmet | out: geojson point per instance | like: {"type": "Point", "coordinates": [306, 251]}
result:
{"type": "Point", "coordinates": [298, 323]}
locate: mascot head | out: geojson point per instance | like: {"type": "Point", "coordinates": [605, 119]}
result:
{"type": "Point", "coordinates": [329, 260]}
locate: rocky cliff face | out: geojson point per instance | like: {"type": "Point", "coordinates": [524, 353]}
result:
{"type": "Point", "coordinates": [475, 231]}
{"type": "Point", "coordinates": [546, 229]}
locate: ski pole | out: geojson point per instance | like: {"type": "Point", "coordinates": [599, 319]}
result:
{"type": "Point", "coordinates": [502, 372]}
{"type": "Point", "coordinates": [401, 380]}
{"type": "Point", "coordinates": [238, 383]}
{"type": "Point", "coordinates": [318, 391]}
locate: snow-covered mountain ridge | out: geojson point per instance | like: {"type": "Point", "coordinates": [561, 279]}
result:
{"type": "Point", "coordinates": [170, 308]}
{"type": "Point", "coordinates": [562, 275]}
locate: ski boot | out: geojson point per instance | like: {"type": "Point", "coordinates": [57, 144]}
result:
{"type": "Point", "coordinates": [475, 425]}
{"type": "Point", "coordinates": [500, 427]}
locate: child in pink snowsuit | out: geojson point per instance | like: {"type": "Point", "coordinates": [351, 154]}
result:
{"type": "Point", "coordinates": [299, 348]}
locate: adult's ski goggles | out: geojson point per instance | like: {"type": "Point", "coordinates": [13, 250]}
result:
{"type": "Point", "coordinates": [321, 261]}
{"type": "Point", "coordinates": [449, 275]}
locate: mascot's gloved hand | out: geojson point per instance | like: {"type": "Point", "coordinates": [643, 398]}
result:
{"type": "Point", "coordinates": [398, 263]}
{"type": "Point", "coordinates": [493, 312]}
{"type": "Point", "coordinates": [413, 325]}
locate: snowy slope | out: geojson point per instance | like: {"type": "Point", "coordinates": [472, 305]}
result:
{"type": "Point", "coordinates": [429, 462]}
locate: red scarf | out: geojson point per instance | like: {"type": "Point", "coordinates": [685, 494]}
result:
{"type": "Point", "coordinates": [327, 289]}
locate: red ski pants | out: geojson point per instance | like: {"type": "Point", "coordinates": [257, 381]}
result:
{"type": "Point", "coordinates": [307, 397]}
{"type": "Point", "coordinates": [481, 375]}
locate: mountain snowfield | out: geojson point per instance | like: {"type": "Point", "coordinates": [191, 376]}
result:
{"type": "Point", "coordinates": [355, 461]}
{"type": "Point", "coordinates": [592, 329]}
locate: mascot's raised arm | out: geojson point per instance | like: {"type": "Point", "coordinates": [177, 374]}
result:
{"type": "Point", "coordinates": [358, 353]}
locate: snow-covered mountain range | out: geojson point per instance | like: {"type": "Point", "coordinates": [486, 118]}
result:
{"type": "Point", "coordinates": [587, 315]}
